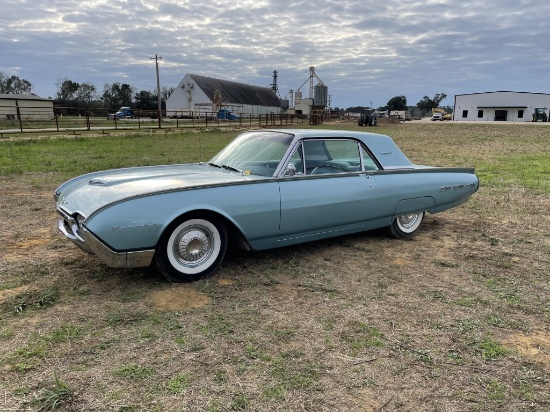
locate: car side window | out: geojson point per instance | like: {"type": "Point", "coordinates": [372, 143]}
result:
{"type": "Point", "coordinates": [297, 160]}
{"type": "Point", "coordinates": [368, 161]}
{"type": "Point", "coordinates": [324, 156]}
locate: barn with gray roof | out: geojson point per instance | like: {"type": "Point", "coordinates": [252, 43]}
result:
{"type": "Point", "coordinates": [200, 94]}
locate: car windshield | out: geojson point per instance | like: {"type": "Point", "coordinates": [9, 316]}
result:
{"type": "Point", "coordinates": [257, 153]}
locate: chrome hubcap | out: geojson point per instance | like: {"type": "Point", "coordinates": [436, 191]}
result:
{"type": "Point", "coordinates": [193, 246]}
{"type": "Point", "coordinates": [408, 221]}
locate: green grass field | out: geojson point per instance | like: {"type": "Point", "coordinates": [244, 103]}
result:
{"type": "Point", "coordinates": [457, 318]}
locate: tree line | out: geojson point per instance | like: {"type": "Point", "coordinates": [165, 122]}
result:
{"type": "Point", "coordinates": [114, 96]}
{"type": "Point", "coordinates": [399, 103]}
{"type": "Point", "coordinates": [71, 94]}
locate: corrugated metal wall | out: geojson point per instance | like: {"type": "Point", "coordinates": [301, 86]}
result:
{"type": "Point", "coordinates": [29, 108]}
{"type": "Point", "coordinates": [503, 106]}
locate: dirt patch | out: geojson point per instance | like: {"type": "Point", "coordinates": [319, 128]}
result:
{"type": "Point", "coordinates": [9, 293]}
{"type": "Point", "coordinates": [39, 237]}
{"type": "Point", "coordinates": [225, 282]}
{"type": "Point", "coordinates": [179, 298]}
{"type": "Point", "coordinates": [286, 293]}
{"type": "Point", "coordinates": [534, 347]}
{"type": "Point", "coordinates": [27, 224]}
{"type": "Point", "coordinates": [365, 401]}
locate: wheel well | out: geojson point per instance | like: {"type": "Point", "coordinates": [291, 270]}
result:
{"type": "Point", "coordinates": [235, 236]}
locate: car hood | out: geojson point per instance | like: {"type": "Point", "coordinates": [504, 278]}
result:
{"type": "Point", "coordinates": [87, 193]}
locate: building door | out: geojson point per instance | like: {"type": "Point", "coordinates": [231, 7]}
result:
{"type": "Point", "coordinates": [501, 115]}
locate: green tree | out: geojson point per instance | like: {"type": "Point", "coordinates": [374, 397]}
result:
{"type": "Point", "coordinates": [117, 95]}
{"type": "Point", "coordinates": [145, 100]}
{"type": "Point", "coordinates": [428, 104]}
{"type": "Point", "coordinates": [438, 98]}
{"type": "Point", "coordinates": [86, 95]}
{"type": "Point", "coordinates": [74, 96]}
{"type": "Point", "coordinates": [397, 103]}
{"type": "Point", "coordinates": [66, 90]}
{"type": "Point", "coordinates": [14, 85]}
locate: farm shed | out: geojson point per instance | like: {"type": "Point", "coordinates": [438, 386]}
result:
{"type": "Point", "coordinates": [201, 94]}
{"type": "Point", "coordinates": [504, 106]}
{"type": "Point", "coordinates": [30, 107]}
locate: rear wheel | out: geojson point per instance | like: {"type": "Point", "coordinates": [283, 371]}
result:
{"type": "Point", "coordinates": [191, 248]}
{"type": "Point", "coordinates": [405, 226]}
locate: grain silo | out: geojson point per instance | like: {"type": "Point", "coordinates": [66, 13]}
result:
{"type": "Point", "coordinates": [320, 99]}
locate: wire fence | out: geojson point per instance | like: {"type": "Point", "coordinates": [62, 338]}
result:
{"type": "Point", "coordinates": [28, 119]}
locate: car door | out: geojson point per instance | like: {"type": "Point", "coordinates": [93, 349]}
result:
{"type": "Point", "coordinates": [331, 193]}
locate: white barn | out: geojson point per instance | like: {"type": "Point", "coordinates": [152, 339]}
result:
{"type": "Point", "coordinates": [503, 106]}
{"type": "Point", "coordinates": [197, 94]}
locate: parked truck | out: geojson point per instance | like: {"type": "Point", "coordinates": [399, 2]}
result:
{"type": "Point", "coordinates": [125, 113]}
{"type": "Point", "coordinates": [226, 114]}
{"type": "Point", "coordinates": [439, 113]}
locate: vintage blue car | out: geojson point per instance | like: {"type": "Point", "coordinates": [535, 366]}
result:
{"type": "Point", "coordinates": [266, 189]}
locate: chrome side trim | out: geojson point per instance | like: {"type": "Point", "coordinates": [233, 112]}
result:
{"type": "Point", "coordinates": [143, 258]}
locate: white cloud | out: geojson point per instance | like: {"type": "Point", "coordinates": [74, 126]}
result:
{"type": "Point", "coordinates": [363, 50]}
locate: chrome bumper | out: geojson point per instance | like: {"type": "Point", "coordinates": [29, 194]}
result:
{"type": "Point", "coordinates": [86, 241]}
{"type": "Point", "coordinates": [70, 229]}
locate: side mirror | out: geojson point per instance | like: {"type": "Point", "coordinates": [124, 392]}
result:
{"type": "Point", "coordinates": [290, 170]}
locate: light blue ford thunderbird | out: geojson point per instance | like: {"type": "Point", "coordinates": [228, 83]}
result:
{"type": "Point", "coordinates": [266, 189]}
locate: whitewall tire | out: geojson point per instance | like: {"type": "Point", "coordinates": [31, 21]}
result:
{"type": "Point", "coordinates": [405, 226]}
{"type": "Point", "coordinates": [192, 247]}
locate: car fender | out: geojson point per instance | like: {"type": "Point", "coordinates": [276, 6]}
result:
{"type": "Point", "coordinates": [139, 222]}
{"type": "Point", "coordinates": [417, 204]}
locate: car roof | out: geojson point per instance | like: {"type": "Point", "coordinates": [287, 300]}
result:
{"type": "Point", "coordinates": [382, 146]}
{"type": "Point", "coordinates": [324, 133]}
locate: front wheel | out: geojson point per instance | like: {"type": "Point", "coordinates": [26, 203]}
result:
{"type": "Point", "coordinates": [191, 248]}
{"type": "Point", "coordinates": [406, 226]}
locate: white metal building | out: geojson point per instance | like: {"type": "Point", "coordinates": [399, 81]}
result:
{"type": "Point", "coordinates": [504, 106]}
{"type": "Point", "coordinates": [200, 94]}
{"type": "Point", "coordinates": [25, 105]}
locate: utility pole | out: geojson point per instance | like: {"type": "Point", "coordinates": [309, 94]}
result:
{"type": "Point", "coordinates": [157, 58]}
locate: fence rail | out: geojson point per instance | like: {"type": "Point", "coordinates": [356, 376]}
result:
{"type": "Point", "coordinates": [59, 119]}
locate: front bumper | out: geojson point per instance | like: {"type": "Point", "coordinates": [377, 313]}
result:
{"type": "Point", "coordinates": [87, 241]}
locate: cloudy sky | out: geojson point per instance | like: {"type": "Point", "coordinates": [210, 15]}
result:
{"type": "Point", "coordinates": [364, 51]}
